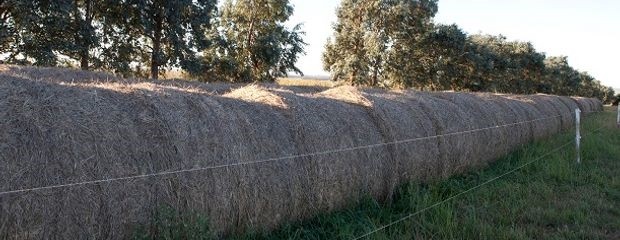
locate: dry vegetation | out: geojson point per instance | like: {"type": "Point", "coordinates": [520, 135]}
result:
{"type": "Point", "coordinates": [62, 126]}
{"type": "Point", "coordinates": [307, 82]}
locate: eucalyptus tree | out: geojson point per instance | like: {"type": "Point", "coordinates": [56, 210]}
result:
{"type": "Point", "coordinates": [33, 30]}
{"type": "Point", "coordinates": [163, 33]}
{"type": "Point", "coordinates": [40, 31]}
{"type": "Point", "coordinates": [83, 16]}
{"type": "Point", "coordinates": [440, 62]}
{"type": "Point", "coordinates": [515, 66]}
{"type": "Point", "coordinates": [7, 26]}
{"type": "Point", "coordinates": [561, 78]}
{"type": "Point", "coordinates": [254, 43]}
{"type": "Point", "coordinates": [373, 40]}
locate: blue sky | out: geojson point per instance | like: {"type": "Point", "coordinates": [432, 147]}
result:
{"type": "Point", "coordinates": [588, 32]}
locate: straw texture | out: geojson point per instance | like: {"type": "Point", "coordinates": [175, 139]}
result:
{"type": "Point", "coordinates": [59, 127]}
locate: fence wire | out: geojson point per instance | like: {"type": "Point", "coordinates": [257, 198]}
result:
{"type": "Point", "coordinates": [408, 216]}
{"type": "Point", "coordinates": [276, 159]}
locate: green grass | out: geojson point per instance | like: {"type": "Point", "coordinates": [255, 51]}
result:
{"type": "Point", "coordinates": [552, 198]}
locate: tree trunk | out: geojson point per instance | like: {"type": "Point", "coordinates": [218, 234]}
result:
{"type": "Point", "coordinates": [375, 73]}
{"type": "Point", "coordinates": [81, 35]}
{"type": "Point", "coordinates": [84, 58]}
{"type": "Point", "coordinates": [250, 42]}
{"type": "Point", "coordinates": [88, 16]}
{"type": "Point", "coordinates": [155, 55]}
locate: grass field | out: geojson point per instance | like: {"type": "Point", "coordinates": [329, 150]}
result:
{"type": "Point", "coordinates": [551, 198]}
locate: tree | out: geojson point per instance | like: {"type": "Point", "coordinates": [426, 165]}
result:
{"type": "Point", "coordinates": [83, 15]}
{"type": "Point", "coordinates": [440, 59]}
{"type": "Point", "coordinates": [161, 33]}
{"type": "Point", "coordinates": [560, 77]}
{"type": "Point", "coordinates": [254, 44]}
{"type": "Point", "coordinates": [516, 66]}
{"type": "Point", "coordinates": [40, 31]}
{"type": "Point", "coordinates": [33, 30]}
{"type": "Point", "coordinates": [7, 26]}
{"type": "Point", "coordinates": [373, 38]}
{"type": "Point", "coordinates": [609, 95]}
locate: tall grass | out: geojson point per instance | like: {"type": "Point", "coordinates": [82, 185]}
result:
{"type": "Point", "coordinates": [552, 198]}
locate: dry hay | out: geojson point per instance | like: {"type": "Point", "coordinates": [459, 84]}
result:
{"type": "Point", "coordinates": [482, 112]}
{"type": "Point", "coordinates": [257, 94]}
{"type": "Point", "coordinates": [588, 105]}
{"type": "Point", "coordinates": [79, 77]}
{"type": "Point", "coordinates": [56, 74]}
{"type": "Point", "coordinates": [53, 132]}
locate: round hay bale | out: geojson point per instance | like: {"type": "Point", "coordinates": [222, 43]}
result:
{"type": "Point", "coordinates": [401, 122]}
{"type": "Point", "coordinates": [549, 120]}
{"type": "Point", "coordinates": [568, 118]}
{"type": "Point", "coordinates": [483, 114]}
{"type": "Point", "coordinates": [348, 110]}
{"type": "Point", "coordinates": [454, 150]}
{"type": "Point", "coordinates": [56, 74]}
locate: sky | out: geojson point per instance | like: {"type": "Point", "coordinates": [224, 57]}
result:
{"type": "Point", "coordinates": [588, 32]}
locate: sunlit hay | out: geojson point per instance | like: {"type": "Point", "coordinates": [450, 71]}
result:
{"type": "Point", "coordinates": [257, 94]}
{"type": "Point", "coordinates": [57, 74]}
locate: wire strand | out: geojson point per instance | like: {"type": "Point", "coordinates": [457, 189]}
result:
{"type": "Point", "coordinates": [266, 160]}
{"type": "Point", "coordinates": [461, 193]}
{"type": "Point", "coordinates": [589, 133]}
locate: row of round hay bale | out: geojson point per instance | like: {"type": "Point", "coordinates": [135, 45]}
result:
{"type": "Point", "coordinates": [588, 105]}
{"type": "Point", "coordinates": [333, 120]}
{"type": "Point", "coordinates": [400, 122]}
{"type": "Point", "coordinates": [486, 114]}
{"type": "Point", "coordinates": [56, 135]}
{"type": "Point", "coordinates": [454, 150]}
{"type": "Point", "coordinates": [252, 158]}
{"type": "Point", "coordinates": [56, 74]}
{"type": "Point", "coordinates": [79, 77]}
{"type": "Point", "coordinates": [552, 122]}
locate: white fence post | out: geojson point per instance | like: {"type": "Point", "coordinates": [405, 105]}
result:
{"type": "Point", "coordinates": [618, 121]}
{"type": "Point", "coordinates": [578, 134]}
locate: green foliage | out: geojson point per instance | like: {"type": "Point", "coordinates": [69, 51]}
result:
{"type": "Point", "coordinates": [163, 33]}
{"type": "Point", "coordinates": [34, 30]}
{"type": "Point", "coordinates": [118, 35]}
{"type": "Point", "coordinates": [439, 61]}
{"type": "Point", "coordinates": [395, 44]}
{"type": "Point", "coordinates": [373, 38]}
{"type": "Point", "coordinates": [511, 66]}
{"type": "Point", "coordinates": [254, 44]}
{"type": "Point", "coordinates": [7, 26]}
{"type": "Point", "coordinates": [386, 43]}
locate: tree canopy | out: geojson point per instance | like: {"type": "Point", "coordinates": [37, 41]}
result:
{"type": "Point", "coordinates": [382, 43]}
{"type": "Point", "coordinates": [254, 43]}
{"type": "Point", "coordinates": [145, 37]}
{"type": "Point", "coordinates": [395, 43]}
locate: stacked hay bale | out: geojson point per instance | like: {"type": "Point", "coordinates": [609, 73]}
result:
{"type": "Point", "coordinates": [243, 145]}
